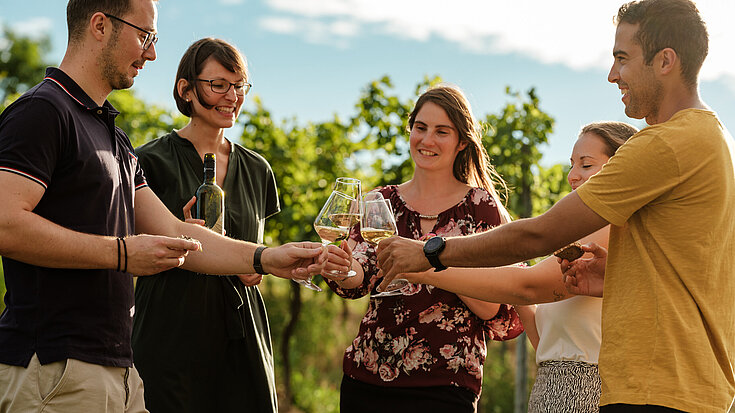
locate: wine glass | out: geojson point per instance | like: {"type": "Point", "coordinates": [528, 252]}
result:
{"type": "Point", "coordinates": [378, 223]}
{"type": "Point", "coordinates": [349, 186]}
{"type": "Point", "coordinates": [339, 214]}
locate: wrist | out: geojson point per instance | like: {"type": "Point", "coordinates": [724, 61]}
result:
{"type": "Point", "coordinates": [432, 249]}
{"type": "Point", "coordinates": [258, 260]}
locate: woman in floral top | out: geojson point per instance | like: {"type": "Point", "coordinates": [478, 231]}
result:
{"type": "Point", "coordinates": [424, 350]}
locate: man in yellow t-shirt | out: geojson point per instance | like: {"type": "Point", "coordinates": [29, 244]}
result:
{"type": "Point", "coordinates": [668, 327]}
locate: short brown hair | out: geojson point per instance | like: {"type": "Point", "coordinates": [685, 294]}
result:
{"type": "Point", "coordinates": [78, 13]}
{"type": "Point", "coordinates": [669, 23]}
{"type": "Point", "coordinates": [192, 63]}
{"type": "Point", "coordinates": [614, 134]}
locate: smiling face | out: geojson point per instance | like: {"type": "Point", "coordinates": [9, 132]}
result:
{"type": "Point", "coordinates": [642, 90]}
{"type": "Point", "coordinates": [588, 157]}
{"type": "Point", "coordinates": [123, 56]}
{"type": "Point", "coordinates": [434, 141]}
{"type": "Point", "coordinates": [225, 107]}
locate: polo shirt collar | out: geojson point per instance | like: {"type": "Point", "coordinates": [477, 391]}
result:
{"type": "Point", "coordinates": [74, 91]}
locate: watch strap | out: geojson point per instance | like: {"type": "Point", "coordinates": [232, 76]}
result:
{"type": "Point", "coordinates": [257, 265]}
{"type": "Point", "coordinates": [434, 261]}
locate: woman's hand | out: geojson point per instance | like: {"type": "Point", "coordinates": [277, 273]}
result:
{"type": "Point", "coordinates": [339, 259]}
{"type": "Point", "coordinates": [187, 212]}
{"type": "Point", "coordinates": [586, 276]}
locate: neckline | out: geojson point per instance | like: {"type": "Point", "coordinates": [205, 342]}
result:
{"type": "Point", "coordinates": [470, 191]}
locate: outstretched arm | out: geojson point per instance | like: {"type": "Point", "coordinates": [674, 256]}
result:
{"type": "Point", "coordinates": [516, 285]}
{"type": "Point", "coordinates": [568, 220]}
{"type": "Point", "coordinates": [221, 255]}
{"type": "Point", "coordinates": [30, 238]}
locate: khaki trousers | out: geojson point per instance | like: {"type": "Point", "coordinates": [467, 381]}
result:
{"type": "Point", "coordinates": [70, 386]}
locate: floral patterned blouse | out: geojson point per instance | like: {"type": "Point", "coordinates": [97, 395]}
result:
{"type": "Point", "coordinates": [427, 336]}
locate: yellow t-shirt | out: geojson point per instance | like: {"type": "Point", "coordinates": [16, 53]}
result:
{"type": "Point", "coordinates": [668, 315]}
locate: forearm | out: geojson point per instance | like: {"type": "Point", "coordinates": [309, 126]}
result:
{"type": "Point", "coordinates": [30, 238]}
{"type": "Point", "coordinates": [511, 284]}
{"type": "Point", "coordinates": [527, 314]}
{"type": "Point", "coordinates": [567, 221]}
{"type": "Point", "coordinates": [504, 245]}
{"type": "Point", "coordinates": [219, 255]}
{"type": "Point", "coordinates": [483, 309]}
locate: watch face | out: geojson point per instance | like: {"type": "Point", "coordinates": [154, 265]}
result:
{"type": "Point", "coordinates": [433, 245]}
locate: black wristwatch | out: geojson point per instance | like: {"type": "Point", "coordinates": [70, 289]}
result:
{"type": "Point", "coordinates": [432, 248]}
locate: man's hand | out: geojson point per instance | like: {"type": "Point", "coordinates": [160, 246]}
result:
{"type": "Point", "coordinates": [397, 255]}
{"type": "Point", "coordinates": [250, 280]}
{"type": "Point", "coordinates": [586, 276]}
{"type": "Point", "coordinates": [292, 260]}
{"type": "Point", "coordinates": [151, 254]}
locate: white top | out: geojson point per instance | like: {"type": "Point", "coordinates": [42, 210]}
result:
{"type": "Point", "coordinates": [569, 330]}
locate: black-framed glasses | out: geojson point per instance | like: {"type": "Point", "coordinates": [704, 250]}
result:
{"type": "Point", "coordinates": [150, 38]}
{"type": "Point", "coordinates": [222, 86]}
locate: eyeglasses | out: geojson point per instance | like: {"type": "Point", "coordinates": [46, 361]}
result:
{"type": "Point", "coordinates": [222, 86]}
{"type": "Point", "coordinates": [150, 38]}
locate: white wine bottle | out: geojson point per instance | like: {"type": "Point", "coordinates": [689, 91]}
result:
{"type": "Point", "coordinates": [210, 198]}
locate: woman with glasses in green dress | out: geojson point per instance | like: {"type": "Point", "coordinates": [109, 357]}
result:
{"type": "Point", "coordinates": [202, 343]}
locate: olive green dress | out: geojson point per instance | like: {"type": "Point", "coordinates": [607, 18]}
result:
{"type": "Point", "coordinates": [201, 342]}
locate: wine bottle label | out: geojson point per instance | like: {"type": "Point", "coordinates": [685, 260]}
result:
{"type": "Point", "coordinates": [219, 226]}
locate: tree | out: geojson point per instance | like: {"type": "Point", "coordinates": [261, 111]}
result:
{"type": "Point", "coordinates": [141, 121]}
{"type": "Point", "coordinates": [306, 160]}
{"type": "Point", "coordinates": [22, 63]}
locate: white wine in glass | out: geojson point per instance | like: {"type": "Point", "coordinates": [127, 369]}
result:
{"type": "Point", "coordinates": [377, 224]}
{"type": "Point", "coordinates": [339, 214]}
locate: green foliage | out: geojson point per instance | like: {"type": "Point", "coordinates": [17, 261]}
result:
{"type": "Point", "coordinates": [141, 121]}
{"type": "Point", "coordinates": [380, 123]}
{"type": "Point", "coordinates": [371, 145]}
{"type": "Point", "coordinates": [513, 141]}
{"type": "Point", "coordinates": [327, 326]}
{"type": "Point", "coordinates": [22, 63]}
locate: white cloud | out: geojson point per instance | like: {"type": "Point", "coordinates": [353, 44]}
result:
{"type": "Point", "coordinates": [335, 32]}
{"type": "Point", "coordinates": [231, 2]}
{"type": "Point", "coordinates": [34, 27]}
{"type": "Point", "coordinates": [549, 31]}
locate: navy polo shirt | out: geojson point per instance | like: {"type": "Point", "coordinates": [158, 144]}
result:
{"type": "Point", "coordinates": [56, 136]}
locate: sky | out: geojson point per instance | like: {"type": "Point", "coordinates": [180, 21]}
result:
{"type": "Point", "coordinates": [310, 59]}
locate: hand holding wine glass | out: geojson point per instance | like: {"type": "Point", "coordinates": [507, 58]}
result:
{"type": "Point", "coordinates": [339, 214]}
{"type": "Point", "coordinates": [378, 223]}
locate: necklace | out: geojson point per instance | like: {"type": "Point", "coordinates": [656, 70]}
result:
{"type": "Point", "coordinates": [422, 216]}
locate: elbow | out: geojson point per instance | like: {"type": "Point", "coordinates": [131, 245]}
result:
{"type": "Point", "coordinates": [526, 295]}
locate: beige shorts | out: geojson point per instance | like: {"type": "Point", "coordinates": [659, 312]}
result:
{"type": "Point", "coordinates": [70, 386]}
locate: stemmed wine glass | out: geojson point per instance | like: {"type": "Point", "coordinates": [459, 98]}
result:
{"type": "Point", "coordinates": [378, 223]}
{"type": "Point", "coordinates": [338, 215]}
{"type": "Point", "coordinates": [349, 186]}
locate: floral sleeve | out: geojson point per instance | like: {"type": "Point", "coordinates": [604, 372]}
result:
{"type": "Point", "coordinates": [506, 325]}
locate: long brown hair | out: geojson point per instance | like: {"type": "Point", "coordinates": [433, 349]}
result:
{"type": "Point", "coordinates": [472, 164]}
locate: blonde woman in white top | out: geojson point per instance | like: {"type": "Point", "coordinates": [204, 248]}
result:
{"type": "Point", "coordinates": [566, 330]}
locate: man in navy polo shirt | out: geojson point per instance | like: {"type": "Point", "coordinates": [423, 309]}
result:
{"type": "Point", "coordinates": [73, 196]}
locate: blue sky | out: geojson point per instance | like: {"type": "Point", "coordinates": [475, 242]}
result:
{"type": "Point", "coordinates": [310, 59]}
